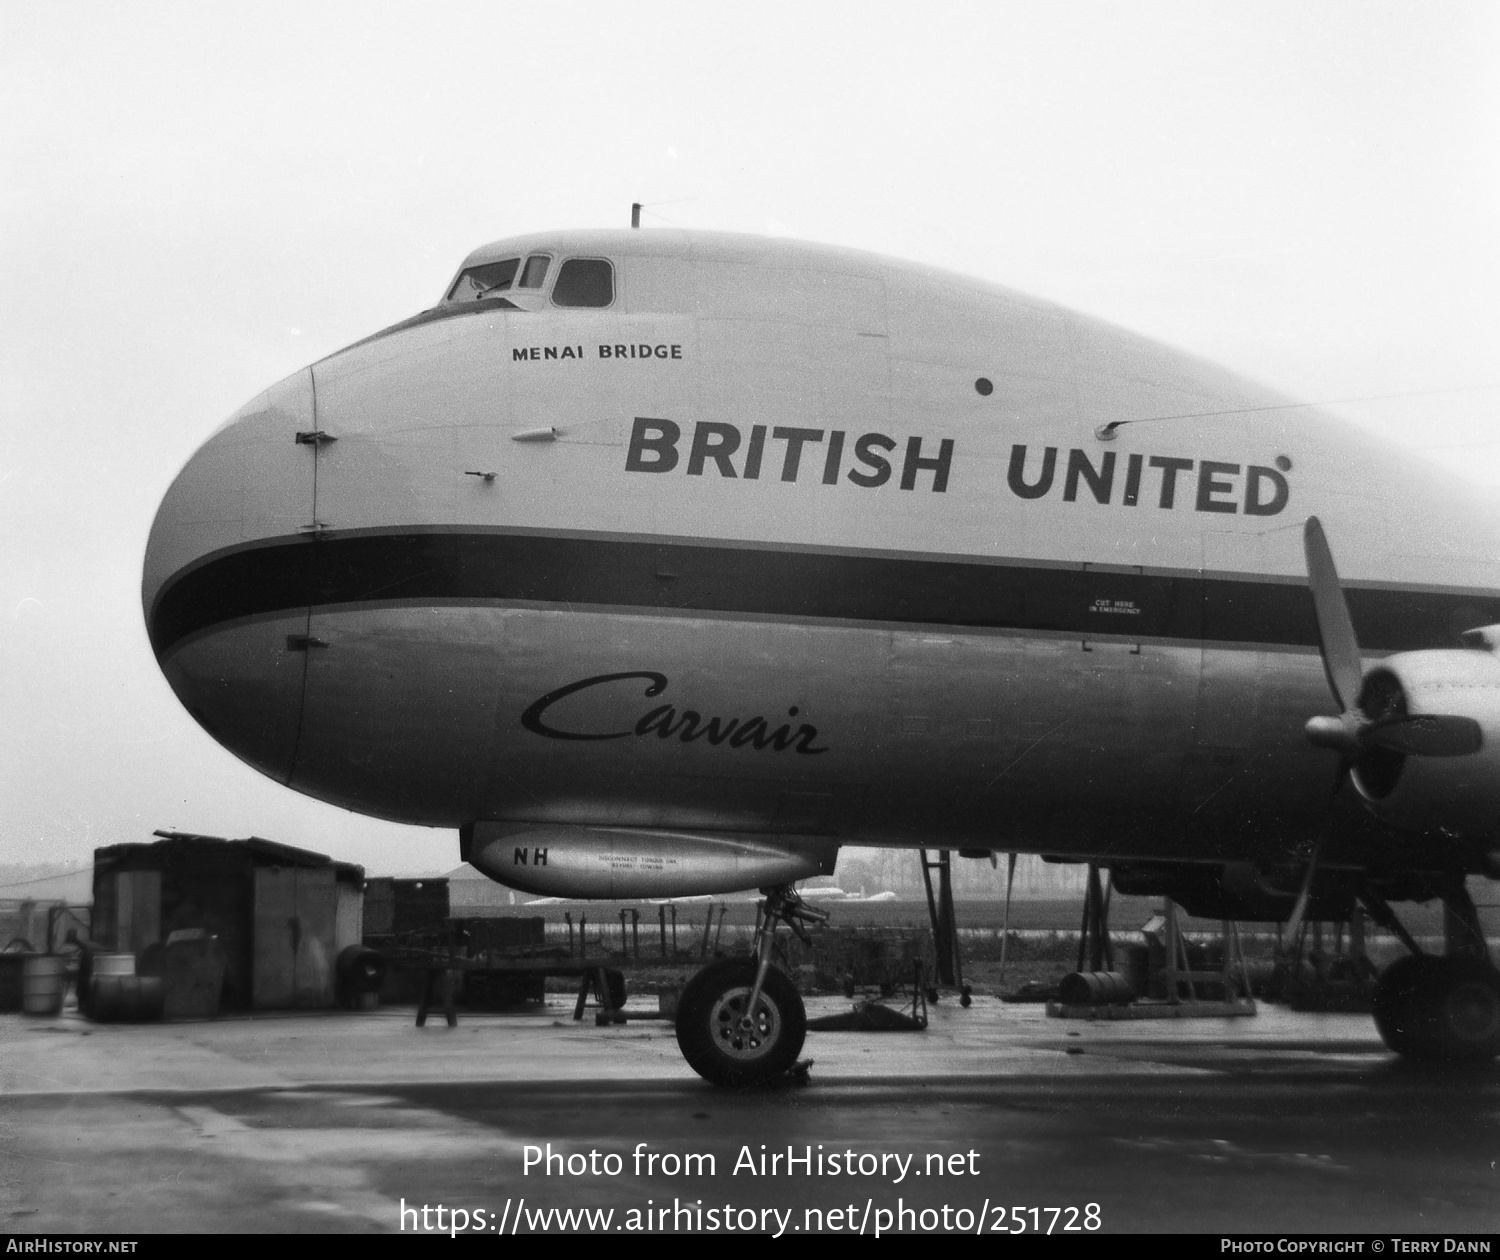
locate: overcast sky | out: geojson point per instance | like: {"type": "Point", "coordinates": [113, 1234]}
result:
{"type": "Point", "coordinates": [197, 199]}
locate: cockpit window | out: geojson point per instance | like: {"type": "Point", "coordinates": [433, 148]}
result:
{"type": "Point", "coordinates": [487, 281]}
{"type": "Point", "coordinates": [584, 282]}
{"type": "Point", "coordinates": [534, 272]}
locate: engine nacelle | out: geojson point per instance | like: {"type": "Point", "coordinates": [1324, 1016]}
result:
{"type": "Point", "coordinates": [1458, 793]}
{"type": "Point", "coordinates": [618, 863]}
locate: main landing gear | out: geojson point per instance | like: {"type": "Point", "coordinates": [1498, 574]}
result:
{"type": "Point", "coordinates": [740, 1021]}
{"type": "Point", "coordinates": [1442, 1007]}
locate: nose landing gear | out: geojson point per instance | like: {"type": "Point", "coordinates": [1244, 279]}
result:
{"type": "Point", "coordinates": [741, 1021]}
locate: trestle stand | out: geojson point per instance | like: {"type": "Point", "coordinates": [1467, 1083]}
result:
{"type": "Point", "coordinates": [1095, 953]}
{"type": "Point", "coordinates": [946, 953]}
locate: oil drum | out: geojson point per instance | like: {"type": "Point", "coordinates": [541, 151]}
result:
{"type": "Point", "coordinates": [43, 978]}
{"type": "Point", "coordinates": [117, 999]}
{"type": "Point", "coordinates": [1095, 988]}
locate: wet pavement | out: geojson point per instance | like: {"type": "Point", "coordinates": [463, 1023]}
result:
{"type": "Point", "coordinates": [995, 1117]}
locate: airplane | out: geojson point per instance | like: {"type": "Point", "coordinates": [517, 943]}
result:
{"type": "Point", "coordinates": [666, 563]}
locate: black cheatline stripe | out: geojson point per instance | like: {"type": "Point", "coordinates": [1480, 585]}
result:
{"type": "Point", "coordinates": [700, 577]}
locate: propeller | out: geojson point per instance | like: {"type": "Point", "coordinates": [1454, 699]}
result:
{"type": "Point", "coordinates": [1373, 731]}
{"type": "Point", "coordinates": [1372, 711]}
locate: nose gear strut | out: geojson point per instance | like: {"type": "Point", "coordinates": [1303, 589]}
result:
{"type": "Point", "coordinates": [783, 903]}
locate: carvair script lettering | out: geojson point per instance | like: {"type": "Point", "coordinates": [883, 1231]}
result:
{"type": "Point", "coordinates": [688, 726]}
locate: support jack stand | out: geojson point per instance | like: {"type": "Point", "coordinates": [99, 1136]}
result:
{"type": "Point", "coordinates": [1182, 983]}
{"type": "Point", "coordinates": [875, 1017]}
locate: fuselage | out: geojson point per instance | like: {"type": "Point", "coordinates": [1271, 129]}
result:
{"type": "Point", "coordinates": [724, 535]}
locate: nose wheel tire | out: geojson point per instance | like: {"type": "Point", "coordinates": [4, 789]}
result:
{"type": "Point", "coordinates": [723, 1041]}
{"type": "Point", "coordinates": [1440, 1008]}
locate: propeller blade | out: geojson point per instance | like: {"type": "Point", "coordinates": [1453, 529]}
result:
{"type": "Point", "coordinates": [1336, 641]}
{"type": "Point", "coordinates": [1426, 735]}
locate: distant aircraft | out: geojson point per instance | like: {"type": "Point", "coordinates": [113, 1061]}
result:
{"type": "Point", "coordinates": [665, 563]}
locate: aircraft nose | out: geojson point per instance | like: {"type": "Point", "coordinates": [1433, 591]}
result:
{"type": "Point", "coordinates": [226, 574]}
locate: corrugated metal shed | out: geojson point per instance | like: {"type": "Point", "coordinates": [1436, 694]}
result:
{"type": "Point", "coordinates": [281, 914]}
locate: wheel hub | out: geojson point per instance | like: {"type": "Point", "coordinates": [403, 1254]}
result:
{"type": "Point", "coordinates": [739, 1034]}
{"type": "Point", "coordinates": [1472, 1012]}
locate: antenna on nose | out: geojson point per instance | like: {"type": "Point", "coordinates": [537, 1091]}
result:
{"type": "Point", "coordinates": [635, 214]}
